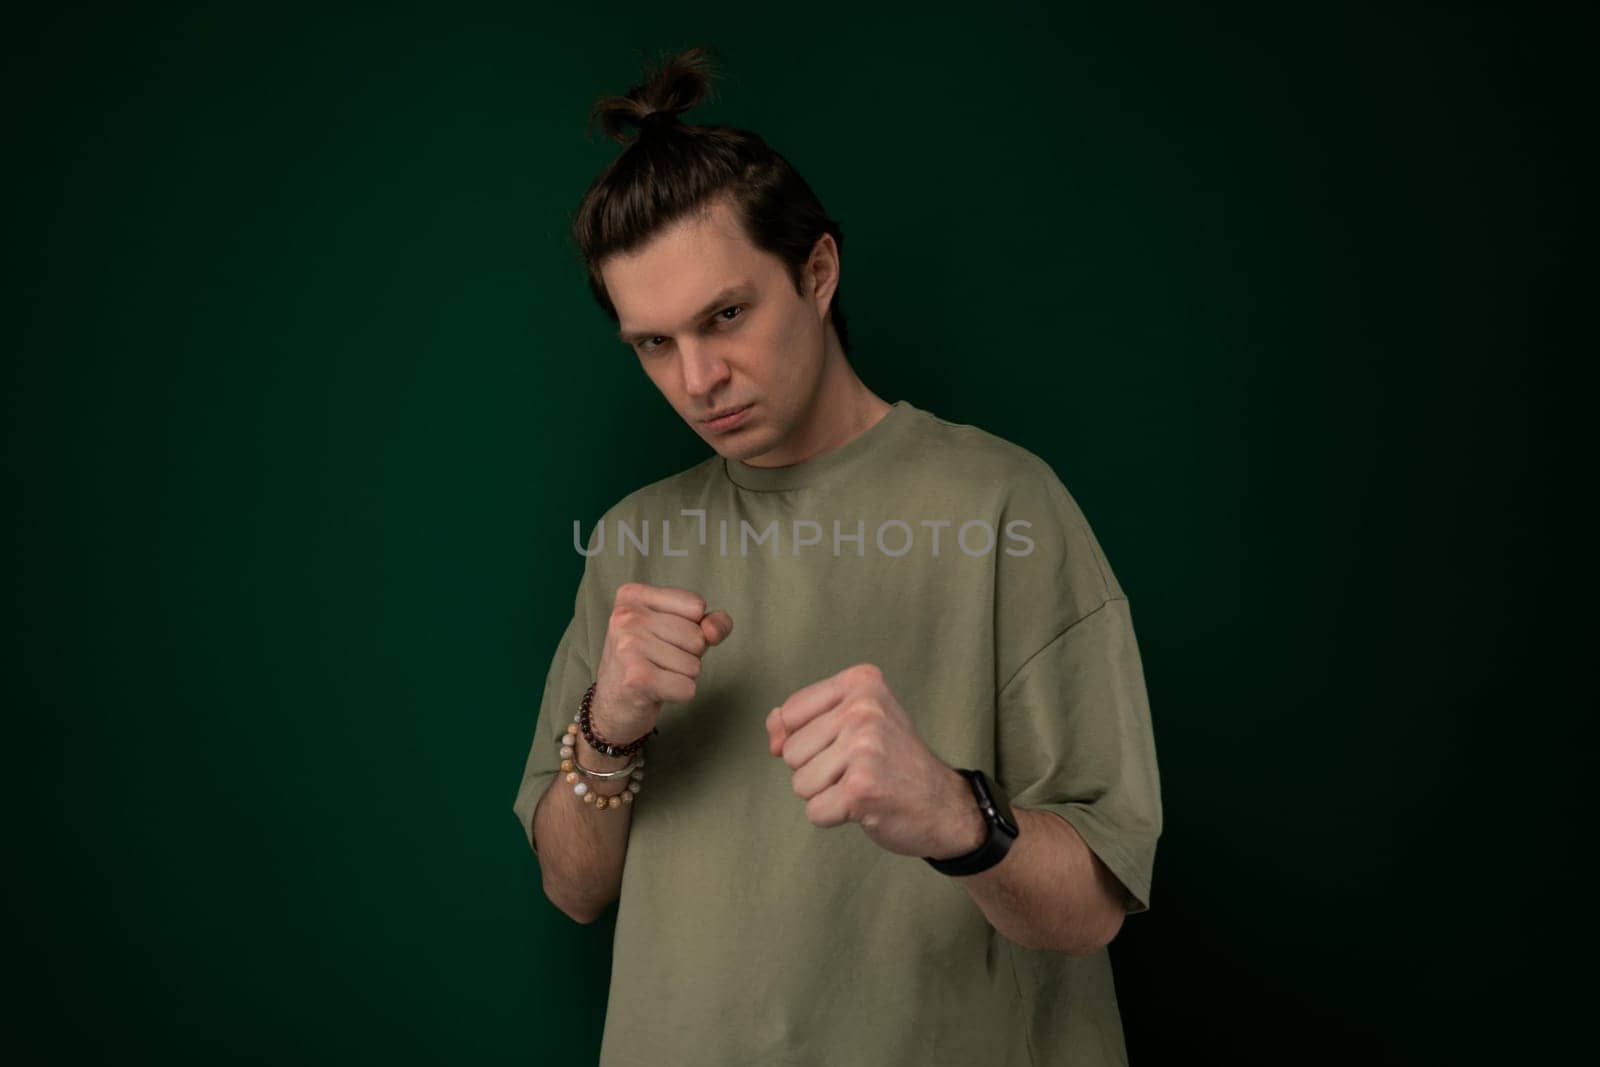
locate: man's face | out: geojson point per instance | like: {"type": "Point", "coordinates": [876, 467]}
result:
{"type": "Point", "coordinates": [717, 325]}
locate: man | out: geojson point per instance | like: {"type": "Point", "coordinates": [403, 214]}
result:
{"type": "Point", "coordinates": [901, 784]}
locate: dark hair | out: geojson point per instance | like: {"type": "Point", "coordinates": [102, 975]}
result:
{"type": "Point", "coordinates": [670, 169]}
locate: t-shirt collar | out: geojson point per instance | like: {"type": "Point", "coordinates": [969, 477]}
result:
{"type": "Point", "coordinates": [819, 468]}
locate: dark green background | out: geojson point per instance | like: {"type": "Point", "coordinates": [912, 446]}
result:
{"type": "Point", "coordinates": [304, 390]}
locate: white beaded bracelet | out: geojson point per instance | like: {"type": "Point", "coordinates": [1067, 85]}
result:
{"type": "Point", "coordinates": [575, 772]}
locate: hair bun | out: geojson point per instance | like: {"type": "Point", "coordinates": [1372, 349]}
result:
{"type": "Point", "coordinates": [678, 83]}
{"type": "Point", "coordinates": [657, 117]}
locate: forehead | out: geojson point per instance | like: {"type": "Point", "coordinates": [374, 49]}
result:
{"type": "Point", "coordinates": [667, 281]}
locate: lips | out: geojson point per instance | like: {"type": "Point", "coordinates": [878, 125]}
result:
{"type": "Point", "coordinates": [724, 414]}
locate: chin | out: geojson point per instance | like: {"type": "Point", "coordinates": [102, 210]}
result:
{"type": "Point", "coordinates": [746, 443]}
{"type": "Point", "coordinates": [742, 449]}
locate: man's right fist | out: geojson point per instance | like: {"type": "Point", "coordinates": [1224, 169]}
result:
{"type": "Point", "coordinates": [654, 642]}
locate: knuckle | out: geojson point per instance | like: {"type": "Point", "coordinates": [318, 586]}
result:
{"type": "Point", "coordinates": [861, 803]}
{"type": "Point", "coordinates": [861, 714]}
{"type": "Point", "coordinates": [867, 672]}
{"type": "Point", "coordinates": [849, 785]}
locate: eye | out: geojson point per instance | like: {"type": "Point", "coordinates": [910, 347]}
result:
{"type": "Point", "coordinates": [647, 344]}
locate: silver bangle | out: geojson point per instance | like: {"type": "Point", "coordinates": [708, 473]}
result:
{"type": "Point", "coordinates": [605, 776]}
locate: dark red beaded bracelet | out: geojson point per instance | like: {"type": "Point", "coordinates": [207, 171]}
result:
{"type": "Point", "coordinates": [606, 747]}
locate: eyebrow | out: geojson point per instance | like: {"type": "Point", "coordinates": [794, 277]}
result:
{"type": "Point", "coordinates": [716, 303]}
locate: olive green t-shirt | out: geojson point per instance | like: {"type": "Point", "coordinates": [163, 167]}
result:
{"type": "Point", "coordinates": [958, 564]}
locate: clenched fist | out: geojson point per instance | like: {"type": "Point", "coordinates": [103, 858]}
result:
{"type": "Point", "coordinates": [654, 642]}
{"type": "Point", "coordinates": [857, 757]}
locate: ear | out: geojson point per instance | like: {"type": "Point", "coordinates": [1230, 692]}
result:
{"type": "Point", "coordinates": [822, 272]}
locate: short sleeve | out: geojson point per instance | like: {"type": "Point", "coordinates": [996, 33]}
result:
{"type": "Point", "coordinates": [1052, 571]}
{"type": "Point", "coordinates": [569, 675]}
{"type": "Point", "coordinates": [1074, 738]}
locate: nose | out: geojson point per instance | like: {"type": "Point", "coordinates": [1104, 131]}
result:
{"type": "Point", "coordinates": [703, 370]}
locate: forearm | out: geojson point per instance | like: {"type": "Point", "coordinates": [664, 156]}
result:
{"type": "Point", "coordinates": [1050, 891]}
{"type": "Point", "coordinates": [581, 850]}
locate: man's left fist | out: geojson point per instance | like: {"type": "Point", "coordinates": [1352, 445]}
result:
{"type": "Point", "coordinates": [857, 758]}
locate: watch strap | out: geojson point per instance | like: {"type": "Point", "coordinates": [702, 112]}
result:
{"type": "Point", "coordinates": [995, 845]}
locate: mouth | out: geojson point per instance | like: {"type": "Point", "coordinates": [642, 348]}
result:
{"type": "Point", "coordinates": [726, 420]}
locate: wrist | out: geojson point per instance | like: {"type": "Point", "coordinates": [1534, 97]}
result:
{"type": "Point", "coordinates": [595, 760]}
{"type": "Point", "coordinates": [591, 758]}
{"type": "Point", "coordinates": [614, 726]}
{"type": "Point", "coordinates": [964, 829]}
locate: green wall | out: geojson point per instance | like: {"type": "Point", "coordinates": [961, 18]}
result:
{"type": "Point", "coordinates": [304, 389]}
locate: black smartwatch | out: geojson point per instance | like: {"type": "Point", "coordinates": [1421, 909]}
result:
{"type": "Point", "coordinates": [996, 809]}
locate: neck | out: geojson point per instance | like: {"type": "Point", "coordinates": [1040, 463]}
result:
{"type": "Point", "coordinates": [841, 409]}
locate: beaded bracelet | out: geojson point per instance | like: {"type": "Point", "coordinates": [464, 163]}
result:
{"type": "Point", "coordinates": [595, 742]}
{"type": "Point", "coordinates": [575, 772]}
